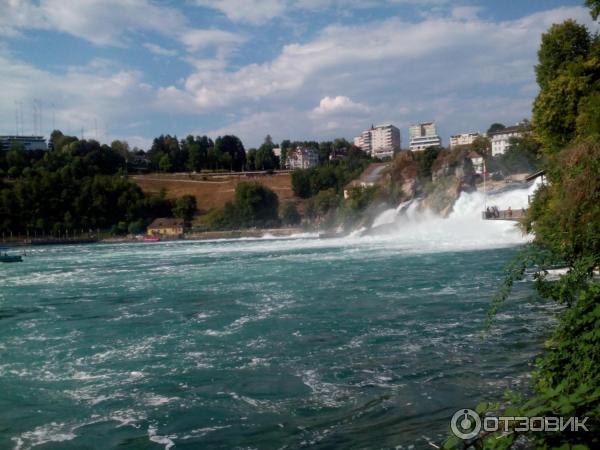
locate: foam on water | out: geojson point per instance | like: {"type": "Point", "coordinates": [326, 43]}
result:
{"type": "Point", "coordinates": [262, 343]}
{"type": "Point", "coordinates": [408, 227]}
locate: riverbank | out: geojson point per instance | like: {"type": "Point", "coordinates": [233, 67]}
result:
{"type": "Point", "coordinates": [195, 236]}
{"type": "Point", "coordinates": [225, 234]}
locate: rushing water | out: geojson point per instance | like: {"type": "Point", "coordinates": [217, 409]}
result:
{"type": "Point", "coordinates": [261, 343]}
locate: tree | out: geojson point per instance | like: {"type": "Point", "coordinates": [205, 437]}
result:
{"type": "Point", "coordinates": [483, 146]}
{"type": "Point", "coordinates": [301, 183]}
{"type": "Point", "coordinates": [290, 215]}
{"type": "Point", "coordinates": [232, 146]}
{"type": "Point", "coordinates": [285, 146]}
{"type": "Point", "coordinates": [165, 163]}
{"type": "Point", "coordinates": [251, 159]}
{"type": "Point", "coordinates": [121, 148]}
{"type": "Point", "coordinates": [16, 159]}
{"type": "Point", "coordinates": [77, 185]}
{"type": "Point", "coordinates": [594, 6]}
{"type": "Point", "coordinates": [521, 155]}
{"type": "Point", "coordinates": [495, 127]}
{"type": "Point", "coordinates": [326, 201]}
{"type": "Point", "coordinates": [425, 160]}
{"type": "Point", "coordinates": [561, 45]}
{"type": "Point", "coordinates": [562, 107]}
{"type": "Point", "coordinates": [194, 161]}
{"type": "Point", "coordinates": [185, 207]}
{"type": "Point", "coordinates": [256, 204]}
{"type": "Point", "coordinates": [269, 141]}
{"type": "Point", "coordinates": [265, 158]}
{"type": "Point", "coordinates": [564, 218]}
{"type": "Point", "coordinates": [325, 149]}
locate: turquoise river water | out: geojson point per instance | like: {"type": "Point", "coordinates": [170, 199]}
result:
{"type": "Point", "coordinates": [257, 343]}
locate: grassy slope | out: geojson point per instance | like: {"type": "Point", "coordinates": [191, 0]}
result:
{"type": "Point", "coordinates": [211, 192]}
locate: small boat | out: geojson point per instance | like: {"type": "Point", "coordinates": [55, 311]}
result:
{"type": "Point", "coordinates": [151, 239]}
{"type": "Point", "coordinates": [10, 258]}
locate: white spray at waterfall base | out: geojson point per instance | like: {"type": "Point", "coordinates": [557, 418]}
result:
{"type": "Point", "coordinates": [463, 229]}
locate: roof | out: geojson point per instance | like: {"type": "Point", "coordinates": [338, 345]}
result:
{"type": "Point", "coordinates": [535, 175]}
{"type": "Point", "coordinates": [473, 133]}
{"type": "Point", "coordinates": [166, 222]}
{"type": "Point", "coordinates": [511, 129]}
{"type": "Point", "coordinates": [473, 154]}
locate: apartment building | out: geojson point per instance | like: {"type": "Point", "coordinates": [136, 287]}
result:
{"type": "Point", "coordinates": [423, 135]}
{"type": "Point", "coordinates": [380, 141]}
{"type": "Point", "coordinates": [463, 139]}
{"type": "Point", "coordinates": [28, 142]}
{"type": "Point", "coordinates": [501, 138]}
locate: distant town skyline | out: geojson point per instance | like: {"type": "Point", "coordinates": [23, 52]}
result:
{"type": "Point", "coordinates": [307, 69]}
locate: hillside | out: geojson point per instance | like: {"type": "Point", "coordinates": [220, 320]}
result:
{"type": "Point", "coordinates": [211, 191]}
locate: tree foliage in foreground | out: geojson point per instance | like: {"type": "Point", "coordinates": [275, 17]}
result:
{"type": "Point", "coordinates": [565, 218]}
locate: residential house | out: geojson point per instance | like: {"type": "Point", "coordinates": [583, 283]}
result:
{"type": "Point", "coordinates": [166, 227]}
{"type": "Point", "coordinates": [477, 161]}
{"type": "Point", "coordinates": [302, 158]}
{"type": "Point", "coordinates": [501, 138]}
{"type": "Point", "coordinates": [463, 139]}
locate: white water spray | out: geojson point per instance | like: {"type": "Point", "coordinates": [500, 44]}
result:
{"type": "Point", "coordinates": [463, 229]}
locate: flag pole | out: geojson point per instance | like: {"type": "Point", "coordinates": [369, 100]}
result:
{"type": "Point", "coordinates": [484, 187]}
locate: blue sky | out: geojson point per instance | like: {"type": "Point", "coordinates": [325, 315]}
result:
{"type": "Point", "coordinates": [306, 69]}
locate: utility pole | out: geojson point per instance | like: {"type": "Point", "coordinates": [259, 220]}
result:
{"type": "Point", "coordinates": [21, 115]}
{"type": "Point", "coordinates": [16, 118]}
{"type": "Point", "coordinates": [35, 125]}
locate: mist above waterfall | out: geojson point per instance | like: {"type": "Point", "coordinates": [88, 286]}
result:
{"type": "Point", "coordinates": [464, 227]}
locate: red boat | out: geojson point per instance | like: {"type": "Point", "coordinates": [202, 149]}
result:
{"type": "Point", "coordinates": [151, 239]}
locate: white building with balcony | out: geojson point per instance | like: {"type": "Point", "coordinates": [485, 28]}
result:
{"type": "Point", "coordinates": [463, 139]}
{"type": "Point", "coordinates": [379, 141]}
{"type": "Point", "coordinates": [423, 135]}
{"type": "Point", "coordinates": [501, 138]}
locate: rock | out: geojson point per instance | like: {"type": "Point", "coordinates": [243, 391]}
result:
{"type": "Point", "coordinates": [404, 177]}
{"type": "Point", "coordinates": [454, 163]}
{"type": "Point", "coordinates": [445, 193]}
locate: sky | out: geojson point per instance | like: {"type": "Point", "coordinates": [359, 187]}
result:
{"type": "Point", "coordinates": [299, 70]}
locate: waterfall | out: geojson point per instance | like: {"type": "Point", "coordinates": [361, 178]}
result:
{"type": "Point", "coordinates": [464, 228]}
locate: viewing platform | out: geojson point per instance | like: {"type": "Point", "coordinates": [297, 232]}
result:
{"type": "Point", "coordinates": [493, 213]}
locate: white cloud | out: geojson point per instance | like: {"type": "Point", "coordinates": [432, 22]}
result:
{"type": "Point", "coordinates": [158, 50]}
{"type": "Point", "coordinates": [99, 97]}
{"type": "Point", "coordinates": [460, 70]}
{"type": "Point", "coordinates": [199, 39]}
{"type": "Point", "coordinates": [392, 57]}
{"type": "Point", "coordinates": [338, 104]}
{"type": "Point", "coordinates": [258, 12]}
{"type": "Point", "coordinates": [109, 22]}
{"type": "Point", "coordinates": [103, 22]}
{"type": "Point", "coordinates": [457, 68]}
{"type": "Point", "coordinates": [251, 11]}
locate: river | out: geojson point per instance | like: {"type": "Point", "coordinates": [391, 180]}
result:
{"type": "Point", "coordinates": [268, 343]}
